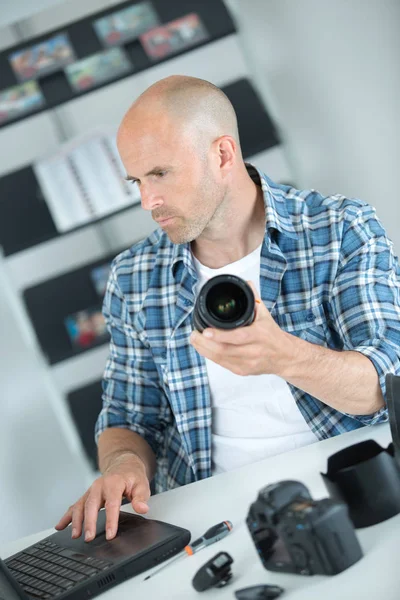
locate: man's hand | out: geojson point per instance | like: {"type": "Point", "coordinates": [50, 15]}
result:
{"type": "Point", "coordinates": [260, 348]}
{"type": "Point", "coordinates": [127, 477]}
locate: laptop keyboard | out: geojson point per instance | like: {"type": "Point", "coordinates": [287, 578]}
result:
{"type": "Point", "coordinates": [47, 570]}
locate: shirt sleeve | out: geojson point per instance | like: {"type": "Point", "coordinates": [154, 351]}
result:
{"type": "Point", "coordinates": [132, 395]}
{"type": "Point", "coordinates": [365, 300]}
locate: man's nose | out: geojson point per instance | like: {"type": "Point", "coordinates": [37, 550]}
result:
{"type": "Point", "coordinates": [150, 200]}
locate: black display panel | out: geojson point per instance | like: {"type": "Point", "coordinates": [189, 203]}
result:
{"type": "Point", "coordinates": [51, 302]}
{"type": "Point", "coordinates": [256, 130]}
{"type": "Point", "coordinates": [85, 405]}
{"type": "Point", "coordinates": [25, 219]}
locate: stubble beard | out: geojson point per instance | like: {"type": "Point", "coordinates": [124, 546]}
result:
{"type": "Point", "coordinates": [192, 230]}
{"type": "Point", "coordinates": [188, 231]}
{"type": "Point", "coordinates": [210, 197]}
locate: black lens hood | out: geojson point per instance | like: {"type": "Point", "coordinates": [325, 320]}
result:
{"type": "Point", "coordinates": [366, 476]}
{"type": "Point", "coordinates": [393, 404]}
{"type": "Point", "coordinates": [203, 318]}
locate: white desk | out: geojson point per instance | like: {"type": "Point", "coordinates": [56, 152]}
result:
{"type": "Point", "coordinates": [228, 496]}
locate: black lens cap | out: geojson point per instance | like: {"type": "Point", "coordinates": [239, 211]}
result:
{"type": "Point", "coordinates": [259, 592]}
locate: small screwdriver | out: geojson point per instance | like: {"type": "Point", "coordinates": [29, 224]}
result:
{"type": "Point", "coordinates": [212, 535]}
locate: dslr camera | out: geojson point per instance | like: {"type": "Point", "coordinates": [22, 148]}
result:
{"type": "Point", "coordinates": [295, 534]}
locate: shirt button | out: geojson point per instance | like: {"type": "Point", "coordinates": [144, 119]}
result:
{"type": "Point", "coordinates": [310, 316]}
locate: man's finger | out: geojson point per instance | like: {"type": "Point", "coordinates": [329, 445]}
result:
{"type": "Point", "coordinates": [93, 504]}
{"type": "Point", "coordinates": [140, 507]}
{"type": "Point", "coordinates": [113, 507]}
{"type": "Point", "coordinates": [223, 354]}
{"type": "Point", "coordinates": [211, 336]}
{"type": "Point", "coordinates": [260, 307]}
{"type": "Point", "coordinates": [140, 495]}
{"type": "Point", "coordinates": [77, 518]}
{"type": "Point", "coordinates": [114, 489]}
{"type": "Point", "coordinates": [253, 287]}
{"type": "Point", "coordinates": [65, 520]}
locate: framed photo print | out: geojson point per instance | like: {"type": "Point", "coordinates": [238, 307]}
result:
{"type": "Point", "coordinates": [86, 328]}
{"type": "Point", "coordinates": [126, 24]}
{"type": "Point", "coordinates": [98, 68]}
{"type": "Point", "coordinates": [42, 59]}
{"type": "Point", "coordinates": [20, 100]}
{"type": "Point", "coordinates": [174, 36]}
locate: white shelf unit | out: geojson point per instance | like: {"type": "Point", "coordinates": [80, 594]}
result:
{"type": "Point", "coordinates": [25, 141]}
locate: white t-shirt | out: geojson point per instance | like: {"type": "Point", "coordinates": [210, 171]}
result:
{"type": "Point", "coordinates": [255, 416]}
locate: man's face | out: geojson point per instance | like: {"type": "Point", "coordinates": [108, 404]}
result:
{"type": "Point", "coordinates": [178, 181]}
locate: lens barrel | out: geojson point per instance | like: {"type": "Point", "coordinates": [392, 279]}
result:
{"type": "Point", "coordinates": [224, 302]}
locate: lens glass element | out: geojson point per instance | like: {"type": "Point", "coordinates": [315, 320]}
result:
{"type": "Point", "coordinates": [226, 302]}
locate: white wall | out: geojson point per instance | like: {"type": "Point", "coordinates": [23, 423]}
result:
{"type": "Point", "coordinates": [329, 71]}
{"type": "Point", "coordinates": [10, 12]}
{"type": "Point", "coordinates": [7, 37]}
{"type": "Point", "coordinates": [41, 466]}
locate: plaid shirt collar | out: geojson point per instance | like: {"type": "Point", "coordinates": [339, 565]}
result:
{"type": "Point", "coordinates": [276, 217]}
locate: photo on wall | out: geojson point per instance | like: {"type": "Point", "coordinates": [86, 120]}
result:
{"type": "Point", "coordinates": [98, 68]}
{"type": "Point", "coordinates": [99, 276]}
{"type": "Point", "coordinates": [86, 328]}
{"type": "Point", "coordinates": [20, 100]}
{"type": "Point", "coordinates": [126, 24]}
{"type": "Point", "coordinates": [174, 36]}
{"type": "Point", "coordinates": [42, 59]}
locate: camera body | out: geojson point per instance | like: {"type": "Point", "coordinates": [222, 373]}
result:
{"type": "Point", "coordinates": [295, 534]}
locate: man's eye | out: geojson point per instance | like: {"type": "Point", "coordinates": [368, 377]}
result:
{"type": "Point", "coordinates": [161, 174]}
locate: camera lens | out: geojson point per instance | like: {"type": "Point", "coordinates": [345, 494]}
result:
{"type": "Point", "coordinates": [225, 302]}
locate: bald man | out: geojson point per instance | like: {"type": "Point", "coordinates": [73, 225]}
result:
{"type": "Point", "coordinates": [181, 405]}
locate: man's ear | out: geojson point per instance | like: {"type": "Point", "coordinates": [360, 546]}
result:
{"type": "Point", "coordinates": [227, 150]}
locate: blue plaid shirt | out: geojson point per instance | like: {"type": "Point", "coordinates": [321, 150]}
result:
{"type": "Point", "coordinates": [328, 275]}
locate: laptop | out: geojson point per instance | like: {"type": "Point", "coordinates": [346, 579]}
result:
{"type": "Point", "coordinates": [9, 588]}
{"type": "Point", "coordinates": [60, 567]}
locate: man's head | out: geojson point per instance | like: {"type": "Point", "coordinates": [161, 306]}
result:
{"type": "Point", "coordinates": [179, 142]}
